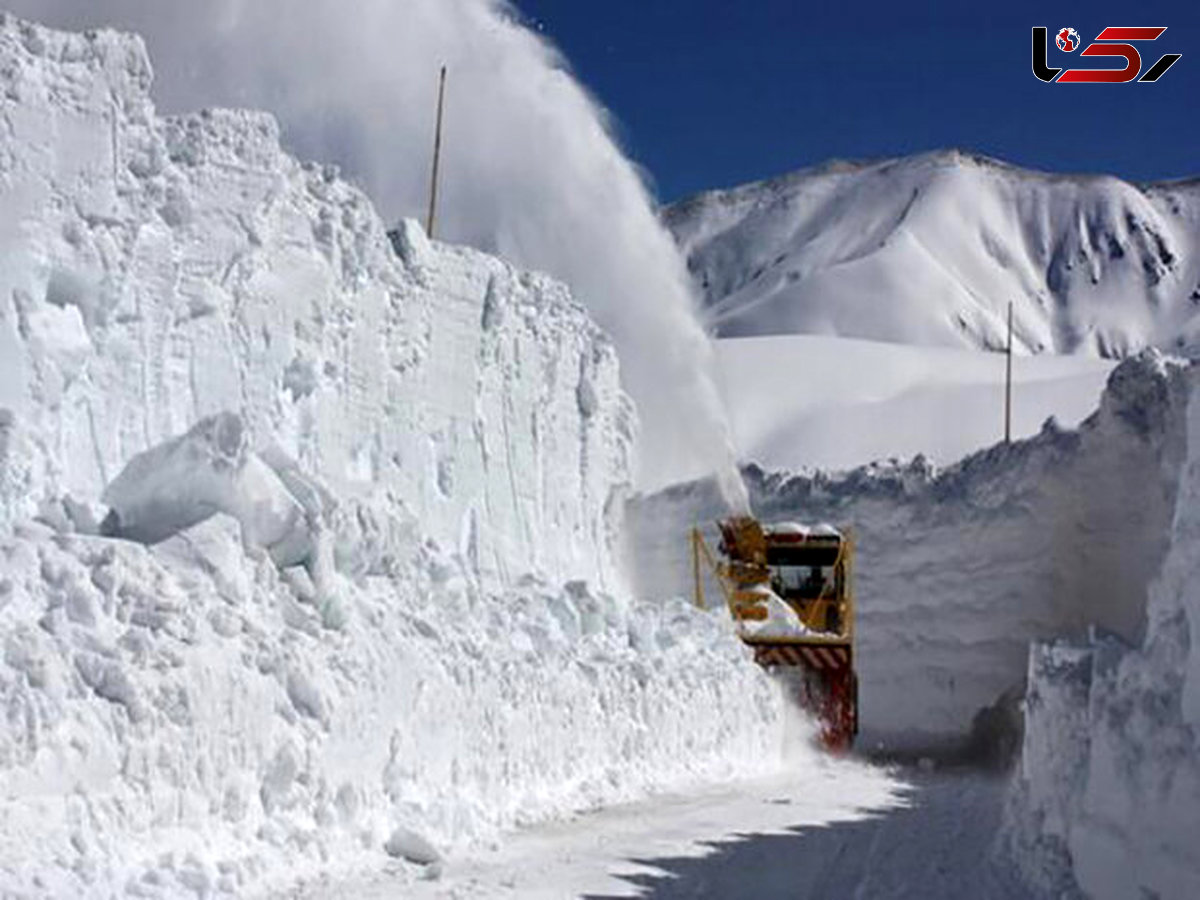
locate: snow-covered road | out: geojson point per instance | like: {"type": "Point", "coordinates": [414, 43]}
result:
{"type": "Point", "coordinates": [843, 829]}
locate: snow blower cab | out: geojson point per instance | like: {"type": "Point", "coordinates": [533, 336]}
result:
{"type": "Point", "coordinates": [788, 587]}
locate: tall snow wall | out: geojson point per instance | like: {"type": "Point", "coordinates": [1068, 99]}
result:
{"type": "Point", "coordinates": [198, 716]}
{"type": "Point", "coordinates": [160, 271]}
{"type": "Point", "coordinates": [1108, 791]}
{"type": "Point", "coordinates": [958, 570]}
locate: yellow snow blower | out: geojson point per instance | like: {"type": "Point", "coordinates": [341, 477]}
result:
{"type": "Point", "coordinates": [789, 590]}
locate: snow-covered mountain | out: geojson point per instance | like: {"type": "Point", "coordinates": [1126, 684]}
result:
{"type": "Point", "coordinates": [930, 249]}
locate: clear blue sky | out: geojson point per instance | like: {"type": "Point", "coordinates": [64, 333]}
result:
{"type": "Point", "coordinates": [711, 93]}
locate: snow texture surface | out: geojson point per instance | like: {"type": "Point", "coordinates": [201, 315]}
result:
{"type": "Point", "coordinates": [159, 272]}
{"type": "Point", "coordinates": [307, 531]}
{"type": "Point", "coordinates": [801, 401]}
{"type": "Point", "coordinates": [1110, 772]}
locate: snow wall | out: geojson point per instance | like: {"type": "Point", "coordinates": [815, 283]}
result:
{"type": "Point", "coordinates": [385, 477]}
{"type": "Point", "coordinates": [158, 272]}
{"type": "Point", "coordinates": [958, 570]}
{"type": "Point", "coordinates": [1109, 781]}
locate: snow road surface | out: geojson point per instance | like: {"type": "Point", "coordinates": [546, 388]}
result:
{"type": "Point", "coordinates": [840, 829]}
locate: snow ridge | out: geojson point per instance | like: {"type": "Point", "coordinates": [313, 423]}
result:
{"type": "Point", "coordinates": [930, 249]}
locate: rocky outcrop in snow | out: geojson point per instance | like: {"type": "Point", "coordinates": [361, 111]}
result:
{"type": "Point", "coordinates": [930, 249]}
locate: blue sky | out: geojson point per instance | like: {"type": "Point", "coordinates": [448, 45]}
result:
{"type": "Point", "coordinates": [711, 93]}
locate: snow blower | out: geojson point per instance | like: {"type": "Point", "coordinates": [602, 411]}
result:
{"type": "Point", "coordinates": [788, 589]}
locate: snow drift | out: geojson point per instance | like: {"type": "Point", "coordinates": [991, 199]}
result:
{"type": "Point", "coordinates": [307, 532]}
{"type": "Point", "coordinates": [959, 569]}
{"type": "Point", "coordinates": [181, 718]}
{"type": "Point", "coordinates": [930, 250]}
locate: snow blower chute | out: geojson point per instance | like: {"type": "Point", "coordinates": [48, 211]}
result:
{"type": "Point", "coordinates": [788, 588]}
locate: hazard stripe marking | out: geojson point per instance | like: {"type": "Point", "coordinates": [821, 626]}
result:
{"type": "Point", "coordinates": [819, 658]}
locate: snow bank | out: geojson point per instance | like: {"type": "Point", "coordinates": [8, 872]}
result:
{"type": "Point", "coordinates": [307, 532]}
{"type": "Point", "coordinates": [1109, 785]}
{"type": "Point", "coordinates": [958, 570]}
{"type": "Point", "coordinates": [178, 718]}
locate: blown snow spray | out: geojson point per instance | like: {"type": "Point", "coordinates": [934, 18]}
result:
{"type": "Point", "coordinates": [530, 168]}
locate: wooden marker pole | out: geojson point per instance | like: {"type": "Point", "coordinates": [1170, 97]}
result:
{"type": "Point", "coordinates": [1008, 381]}
{"type": "Point", "coordinates": [437, 154]}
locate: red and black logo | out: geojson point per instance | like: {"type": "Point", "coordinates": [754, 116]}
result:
{"type": "Point", "coordinates": [1110, 42]}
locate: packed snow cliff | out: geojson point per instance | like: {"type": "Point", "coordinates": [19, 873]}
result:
{"type": "Point", "coordinates": [1109, 781]}
{"type": "Point", "coordinates": [158, 272]}
{"type": "Point", "coordinates": [531, 169]}
{"type": "Point", "coordinates": [931, 249]}
{"type": "Point", "coordinates": [307, 531]}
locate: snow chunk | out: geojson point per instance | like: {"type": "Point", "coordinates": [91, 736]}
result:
{"type": "Point", "coordinates": [411, 242]}
{"type": "Point", "coordinates": [210, 469]}
{"type": "Point", "coordinates": [781, 620]}
{"type": "Point", "coordinates": [407, 844]}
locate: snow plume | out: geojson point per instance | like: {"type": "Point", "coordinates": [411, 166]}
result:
{"type": "Point", "coordinates": [530, 170]}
